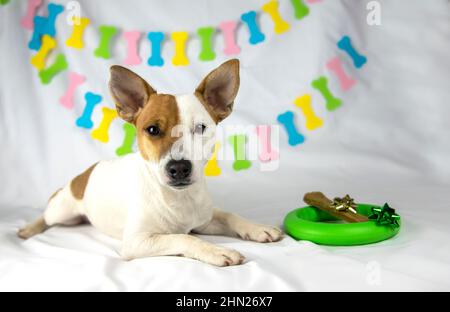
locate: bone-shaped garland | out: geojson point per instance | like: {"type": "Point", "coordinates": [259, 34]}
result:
{"type": "Point", "coordinates": [206, 38]}
{"type": "Point", "coordinates": [300, 9]}
{"type": "Point", "coordinates": [74, 81]}
{"type": "Point", "coordinates": [229, 34]}
{"type": "Point", "coordinates": [156, 39]}
{"type": "Point", "coordinates": [85, 121]}
{"type": "Point", "coordinates": [60, 64]}
{"type": "Point", "coordinates": [179, 38]}
{"type": "Point", "coordinates": [38, 60]}
{"type": "Point", "coordinates": [256, 36]}
{"type": "Point", "coordinates": [104, 47]}
{"type": "Point", "coordinates": [132, 39]}
{"type": "Point", "coordinates": [266, 152]}
{"type": "Point", "coordinates": [345, 44]}
{"type": "Point", "coordinates": [212, 168]}
{"type": "Point", "coordinates": [294, 136]}
{"type": "Point", "coordinates": [101, 133]}
{"type": "Point", "coordinates": [27, 20]}
{"type": "Point", "coordinates": [76, 39]}
{"type": "Point", "coordinates": [238, 142]}
{"type": "Point", "coordinates": [280, 25]}
{"type": "Point", "coordinates": [312, 121]}
{"type": "Point", "coordinates": [128, 140]}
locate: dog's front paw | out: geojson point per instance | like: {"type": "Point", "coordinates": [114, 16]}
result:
{"type": "Point", "coordinates": [262, 234]}
{"type": "Point", "coordinates": [220, 256]}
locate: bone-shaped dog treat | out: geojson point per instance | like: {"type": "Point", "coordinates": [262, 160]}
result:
{"type": "Point", "coordinates": [345, 44]}
{"type": "Point", "coordinates": [48, 44]}
{"type": "Point", "coordinates": [335, 65]}
{"type": "Point", "coordinates": [238, 143]}
{"type": "Point", "coordinates": [321, 84]}
{"type": "Point", "coordinates": [101, 133]}
{"type": "Point", "coordinates": [256, 36]}
{"type": "Point", "coordinates": [132, 38]}
{"type": "Point", "coordinates": [76, 39]}
{"type": "Point", "coordinates": [59, 65]}
{"type": "Point", "coordinates": [287, 120]}
{"type": "Point", "coordinates": [156, 39]}
{"type": "Point", "coordinates": [212, 168]}
{"type": "Point", "coordinates": [106, 35]}
{"type": "Point", "coordinates": [180, 58]}
{"type": "Point", "coordinates": [280, 25]}
{"type": "Point", "coordinates": [128, 140]}
{"type": "Point", "coordinates": [266, 152]}
{"type": "Point", "coordinates": [39, 25]}
{"type": "Point", "coordinates": [53, 11]}
{"type": "Point", "coordinates": [301, 10]}
{"type": "Point", "coordinates": [74, 81]}
{"type": "Point", "coordinates": [228, 31]}
{"type": "Point", "coordinates": [85, 121]}
{"type": "Point", "coordinates": [27, 20]}
{"type": "Point", "coordinates": [304, 103]}
{"type": "Point", "coordinates": [206, 38]}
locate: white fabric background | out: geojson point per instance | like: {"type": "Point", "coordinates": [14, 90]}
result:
{"type": "Point", "coordinates": [389, 142]}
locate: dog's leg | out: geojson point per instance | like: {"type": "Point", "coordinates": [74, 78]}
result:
{"type": "Point", "coordinates": [62, 208]}
{"type": "Point", "coordinates": [224, 223]}
{"type": "Point", "coordinates": [148, 245]}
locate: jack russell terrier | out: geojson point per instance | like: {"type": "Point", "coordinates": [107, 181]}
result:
{"type": "Point", "coordinates": [151, 200]}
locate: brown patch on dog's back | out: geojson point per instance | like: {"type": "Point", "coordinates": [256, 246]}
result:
{"type": "Point", "coordinates": [161, 110]}
{"type": "Point", "coordinates": [78, 184]}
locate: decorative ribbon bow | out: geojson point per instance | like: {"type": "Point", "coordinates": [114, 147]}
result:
{"type": "Point", "coordinates": [385, 216]}
{"type": "Point", "coordinates": [343, 204]}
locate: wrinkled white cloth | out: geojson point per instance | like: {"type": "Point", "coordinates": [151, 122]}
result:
{"type": "Point", "coordinates": [389, 142]}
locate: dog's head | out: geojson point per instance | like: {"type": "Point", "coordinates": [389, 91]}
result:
{"type": "Point", "coordinates": [173, 132]}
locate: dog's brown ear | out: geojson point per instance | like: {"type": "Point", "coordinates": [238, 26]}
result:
{"type": "Point", "coordinates": [219, 88]}
{"type": "Point", "coordinates": [130, 92]}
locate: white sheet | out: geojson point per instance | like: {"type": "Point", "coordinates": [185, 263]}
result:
{"type": "Point", "coordinates": [387, 143]}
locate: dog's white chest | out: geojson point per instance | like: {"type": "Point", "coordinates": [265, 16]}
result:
{"type": "Point", "coordinates": [121, 195]}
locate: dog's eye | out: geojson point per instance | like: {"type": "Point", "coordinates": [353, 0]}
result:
{"type": "Point", "coordinates": [153, 130]}
{"type": "Point", "coordinates": [199, 129]}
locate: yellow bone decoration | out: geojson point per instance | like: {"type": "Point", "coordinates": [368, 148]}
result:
{"type": "Point", "coordinates": [179, 38]}
{"type": "Point", "coordinates": [280, 25]}
{"type": "Point", "coordinates": [212, 168]}
{"type": "Point", "coordinates": [48, 44]}
{"type": "Point", "coordinates": [76, 39]}
{"type": "Point", "coordinates": [101, 133]}
{"type": "Point", "coordinates": [304, 103]}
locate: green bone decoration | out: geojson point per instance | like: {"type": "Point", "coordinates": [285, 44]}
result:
{"type": "Point", "coordinates": [60, 64]}
{"type": "Point", "coordinates": [106, 35]}
{"type": "Point", "coordinates": [238, 142]}
{"type": "Point", "coordinates": [206, 38]}
{"type": "Point", "coordinates": [321, 84]}
{"type": "Point", "coordinates": [128, 140]}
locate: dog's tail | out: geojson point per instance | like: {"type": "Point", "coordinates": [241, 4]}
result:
{"type": "Point", "coordinates": [33, 228]}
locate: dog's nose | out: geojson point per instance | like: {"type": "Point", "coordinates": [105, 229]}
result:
{"type": "Point", "coordinates": [179, 169]}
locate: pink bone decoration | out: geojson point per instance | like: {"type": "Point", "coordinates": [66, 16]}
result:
{"type": "Point", "coordinates": [266, 152]}
{"type": "Point", "coordinates": [228, 29]}
{"type": "Point", "coordinates": [313, 1]}
{"type": "Point", "coordinates": [132, 38]}
{"type": "Point", "coordinates": [74, 81]}
{"type": "Point", "coordinates": [335, 65]}
{"type": "Point", "coordinates": [27, 20]}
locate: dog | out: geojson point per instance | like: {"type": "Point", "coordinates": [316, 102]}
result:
{"type": "Point", "coordinates": [151, 200]}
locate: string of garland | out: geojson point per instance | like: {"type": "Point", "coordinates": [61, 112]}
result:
{"type": "Point", "coordinates": [43, 41]}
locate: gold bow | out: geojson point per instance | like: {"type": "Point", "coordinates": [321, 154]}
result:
{"type": "Point", "coordinates": [343, 204]}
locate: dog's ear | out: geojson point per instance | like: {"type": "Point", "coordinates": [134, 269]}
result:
{"type": "Point", "coordinates": [219, 88]}
{"type": "Point", "coordinates": [130, 92]}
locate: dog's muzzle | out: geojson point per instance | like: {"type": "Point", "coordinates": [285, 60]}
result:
{"type": "Point", "coordinates": [179, 173]}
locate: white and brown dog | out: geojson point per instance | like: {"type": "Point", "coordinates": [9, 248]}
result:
{"type": "Point", "coordinates": [152, 200]}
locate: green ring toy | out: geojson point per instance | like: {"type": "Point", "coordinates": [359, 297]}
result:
{"type": "Point", "coordinates": [306, 224]}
